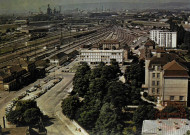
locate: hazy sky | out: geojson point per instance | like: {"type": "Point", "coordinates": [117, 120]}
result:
{"type": "Point", "coordinates": [26, 5]}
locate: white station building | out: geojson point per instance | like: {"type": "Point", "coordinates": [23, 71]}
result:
{"type": "Point", "coordinates": [97, 56]}
{"type": "Point", "coordinates": [164, 38]}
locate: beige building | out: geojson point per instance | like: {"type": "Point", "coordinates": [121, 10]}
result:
{"type": "Point", "coordinates": [166, 77]}
{"type": "Point", "coordinates": [109, 44]}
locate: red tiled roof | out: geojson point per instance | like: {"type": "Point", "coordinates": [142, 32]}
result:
{"type": "Point", "coordinates": [174, 69]}
{"type": "Point", "coordinates": [176, 73]}
{"type": "Point", "coordinates": [150, 43]}
{"type": "Point", "coordinates": [173, 65]}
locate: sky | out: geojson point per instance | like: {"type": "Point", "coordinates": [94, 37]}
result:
{"type": "Point", "coordinates": [25, 5]}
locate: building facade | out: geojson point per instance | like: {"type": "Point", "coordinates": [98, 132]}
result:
{"type": "Point", "coordinates": [164, 38]}
{"type": "Point", "coordinates": [97, 56]}
{"type": "Point", "coordinates": [109, 44]}
{"type": "Point", "coordinates": [58, 59]}
{"type": "Point", "coordinates": [166, 78]}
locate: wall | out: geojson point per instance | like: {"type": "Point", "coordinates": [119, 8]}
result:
{"type": "Point", "coordinates": [175, 87]}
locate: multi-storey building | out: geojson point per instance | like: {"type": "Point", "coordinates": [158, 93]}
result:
{"type": "Point", "coordinates": [164, 38]}
{"type": "Point", "coordinates": [97, 56]}
{"type": "Point", "coordinates": [166, 77]}
{"type": "Point", "coordinates": [109, 44]}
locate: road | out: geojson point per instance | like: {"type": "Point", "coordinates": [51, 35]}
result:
{"type": "Point", "coordinates": [49, 104]}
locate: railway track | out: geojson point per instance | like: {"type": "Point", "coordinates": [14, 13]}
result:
{"type": "Point", "coordinates": [32, 51]}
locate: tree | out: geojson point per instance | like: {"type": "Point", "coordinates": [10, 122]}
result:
{"type": "Point", "coordinates": [117, 94]}
{"type": "Point", "coordinates": [187, 39]}
{"type": "Point", "coordinates": [81, 79]}
{"type": "Point", "coordinates": [109, 122]}
{"type": "Point", "coordinates": [188, 132]}
{"type": "Point", "coordinates": [144, 112]}
{"type": "Point", "coordinates": [135, 71]}
{"type": "Point", "coordinates": [31, 116]}
{"type": "Point", "coordinates": [97, 88]}
{"type": "Point", "coordinates": [70, 106]}
{"type": "Point", "coordinates": [180, 35]}
{"type": "Point", "coordinates": [88, 113]}
{"type": "Point", "coordinates": [27, 112]}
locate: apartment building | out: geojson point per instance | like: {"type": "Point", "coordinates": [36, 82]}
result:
{"type": "Point", "coordinates": [97, 56]}
{"type": "Point", "coordinates": [166, 77]}
{"type": "Point", "coordinates": [164, 38]}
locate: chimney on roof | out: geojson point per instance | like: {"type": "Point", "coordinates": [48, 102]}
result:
{"type": "Point", "coordinates": [159, 129]}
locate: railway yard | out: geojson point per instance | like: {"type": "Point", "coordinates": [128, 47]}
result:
{"type": "Point", "coordinates": [56, 83]}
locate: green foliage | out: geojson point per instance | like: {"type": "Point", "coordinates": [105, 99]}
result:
{"type": "Point", "coordinates": [188, 132]}
{"type": "Point", "coordinates": [109, 122]}
{"type": "Point", "coordinates": [145, 94]}
{"type": "Point", "coordinates": [180, 31]}
{"type": "Point", "coordinates": [69, 106]}
{"type": "Point", "coordinates": [144, 112]}
{"type": "Point", "coordinates": [81, 79]}
{"type": "Point", "coordinates": [117, 94]}
{"type": "Point", "coordinates": [89, 112]}
{"type": "Point", "coordinates": [97, 88]}
{"type": "Point", "coordinates": [26, 112]}
{"type": "Point", "coordinates": [134, 75]}
{"type": "Point", "coordinates": [187, 39]}
{"type": "Point", "coordinates": [135, 72]}
{"type": "Point", "coordinates": [32, 115]}
{"type": "Point", "coordinates": [104, 97]}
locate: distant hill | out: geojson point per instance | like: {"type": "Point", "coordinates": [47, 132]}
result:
{"type": "Point", "coordinates": [129, 5]}
{"type": "Point", "coordinates": [20, 6]}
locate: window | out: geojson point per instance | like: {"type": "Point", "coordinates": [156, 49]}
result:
{"type": "Point", "coordinates": [158, 91]}
{"type": "Point", "coordinates": [153, 90]}
{"type": "Point", "coordinates": [181, 98]}
{"type": "Point", "coordinates": [158, 75]}
{"type": "Point", "coordinates": [171, 98]}
{"type": "Point", "coordinates": [153, 75]}
{"type": "Point", "coordinates": [153, 83]}
{"type": "Point", "coordinates": [158, 83]}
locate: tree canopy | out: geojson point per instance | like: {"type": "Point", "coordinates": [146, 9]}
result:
{"type": "Point", "coordinates": [70, 105]}
{"type": "Point", "coordinates": [27, 112]}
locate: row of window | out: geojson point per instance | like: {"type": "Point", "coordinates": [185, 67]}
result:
{"type": "Point", "coordinates": [110, 53]}
{"type": "Point", "coordinates": [154, 75]}
{"type": "Point", "coordinates": [155, 83]}
{"type": "Point", "coordinates": [181, 98]}
{"type": "Point", "coordinates": [155, 91]}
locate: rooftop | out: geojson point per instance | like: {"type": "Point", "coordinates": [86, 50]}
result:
{"type": "Point", "coordinates": [165, 58]}
{"type": "Point", "coordinates": [150, 43]}
{"type": "Point", "coordinates": [174, 69]}
{"type": "Point", "coordinates": [109, 42]}
{"type": "Point", "coordinates": [165, 127]}
{"type": "Point", "coordinates": [59, 55]}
